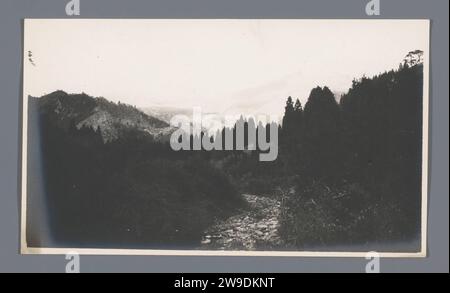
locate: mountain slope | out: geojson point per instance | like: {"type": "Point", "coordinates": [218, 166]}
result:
{"type": "Point", "coordinates": [166, 113]}
{"type": "Point", "coordinates": [111, 119]}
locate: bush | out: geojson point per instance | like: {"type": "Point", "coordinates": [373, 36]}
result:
{"type": "Point", "coordinates": [133, 192]}
{"type": "Point", "coordinates": [317, 215]}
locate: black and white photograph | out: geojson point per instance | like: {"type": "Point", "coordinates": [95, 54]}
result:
{"type": "Point", "coordinates": [254, 137]}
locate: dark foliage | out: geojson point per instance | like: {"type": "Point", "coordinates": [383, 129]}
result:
{"type": "Point", "coordinates": [133, 192]}
{"type": "Point", "coordinates": [353, 170]}
{"type": "Point", "coordinates": [359, 163]}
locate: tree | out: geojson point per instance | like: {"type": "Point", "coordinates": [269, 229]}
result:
{"type": "Point", "coordinates": [298, 120]}
{"type": "Point", "coordinates": [322, 134]}
{"type": "Point", "coordinates": [288, 113]}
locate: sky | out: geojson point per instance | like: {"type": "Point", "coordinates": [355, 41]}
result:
{"type": "Point", "coordinates": [223, 66]}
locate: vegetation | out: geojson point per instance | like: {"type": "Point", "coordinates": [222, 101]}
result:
{"type": "Point", "coordinates": [347, 172]}
{"type": "Point", "coordinates": [133, 192]}
{"type": "Point", "coordinates": [359, 163]}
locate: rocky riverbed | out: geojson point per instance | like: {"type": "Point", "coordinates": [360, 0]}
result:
{"type": "Point", "coordinates": [256, 228]}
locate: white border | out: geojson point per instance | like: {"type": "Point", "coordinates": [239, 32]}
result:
{"type": "Point", "coordinates": [24, 249]}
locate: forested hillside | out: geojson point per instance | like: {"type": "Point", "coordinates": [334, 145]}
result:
{"type": "Point", "coordinates": [348, 172]}
{"type": "Point", "coordinates": [131, 192]}
{"type": "Point", "coordinates": [358, 162]}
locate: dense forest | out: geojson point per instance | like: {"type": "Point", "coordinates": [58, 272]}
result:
{"type": "Point", "coordinates": [348, 172]}
{"type": "Point", "coordinates": [358, 162]}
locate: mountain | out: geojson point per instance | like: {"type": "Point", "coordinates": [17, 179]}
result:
{"type": "Point", "coordinates": [110, 118]}
{"type": "Point", "coordinates": [166, 113]}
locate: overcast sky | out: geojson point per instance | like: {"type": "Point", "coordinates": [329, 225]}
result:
{"type": "Point", "coordinates": [248, 66]}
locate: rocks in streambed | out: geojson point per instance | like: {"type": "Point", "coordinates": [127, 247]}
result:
{"type": "Point", "coordinates": [255, 228]}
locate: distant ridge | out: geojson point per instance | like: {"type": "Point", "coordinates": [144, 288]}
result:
{"type": "Point", "coordinates": [111, 118]}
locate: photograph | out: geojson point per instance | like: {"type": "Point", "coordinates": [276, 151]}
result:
{"type": "Point", "coordinates": [225, 137]}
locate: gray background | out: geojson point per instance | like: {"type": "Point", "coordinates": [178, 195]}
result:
{"type": "Point", "coordinates": [13, 11]}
